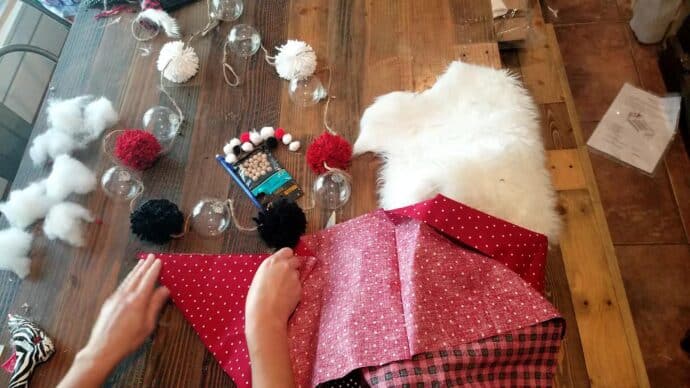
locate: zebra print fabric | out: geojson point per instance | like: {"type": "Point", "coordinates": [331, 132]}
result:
{"type": "Point", "coordinates": [32, 347]}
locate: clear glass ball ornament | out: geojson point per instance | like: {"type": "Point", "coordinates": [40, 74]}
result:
{"type": "Point", "coordinates": [164, 124]}
{"type": "Point", "coordinates": [226, 10]}
{"type": "Point", "coordinates": [144, 28]}
{"type": "Point", "coordinates": [210, 217]}
{"type": "Point", "coordinates": [121, 184]}
{"type": "Point", "coordinates": [307, 92]}
{"type": "Point", "coordinates": [244, 40]}
{"type": "Point", "coordinates": [332, 189]}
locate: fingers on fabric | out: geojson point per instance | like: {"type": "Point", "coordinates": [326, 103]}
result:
{"type": "Point", "coordinates": [148, 281]}
{"type": "Point", "coordinates": [160, 296]}
{"type": "Point", "coordinates": [133, 284]}
{"type": "Point", "coordinates": [128, 279]}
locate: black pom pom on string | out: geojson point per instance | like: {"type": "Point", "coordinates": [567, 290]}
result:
{"type": "Point", "coordinates": [237, 150]}
{"type": "Point", "coordinates": [272, 142]}
{"type": "Point", "coordinates": [157, 221]}
{"type": "Point", "coordinates": [281, 224]}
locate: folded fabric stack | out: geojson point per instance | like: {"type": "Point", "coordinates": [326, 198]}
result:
{"type": "Point", "coordinates": [436, 291]}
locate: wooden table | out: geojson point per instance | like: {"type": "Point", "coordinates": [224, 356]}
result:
{"type": "Point", "coordinates": [373, 47]}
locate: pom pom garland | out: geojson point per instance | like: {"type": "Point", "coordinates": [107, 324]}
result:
{"type": "Point", "coordinates": [272, 143]}
{"type": "Point", "coordinates": [255, 138]}
{"type": "Point", "coordinates": [234, 142]}
{"type": "Point", "coordinates": [237, 150]}
{"type": "Point", "coordinates": [287, 139]}
{"type": "Point", "coordinates": [281, 224]}
{"type": "Point", "coordinates": [295, 60]}
{"type": "Point", "coordinates": [178, 62]}
{"type": "Point", "coordinates": [294, 146]}
{"type": "Point", "coordinates": [280, 132]}
{"type": "Point", "coordinates": [244, 137]}
{"type": "Point", "coordinates": [267, 132]}
{"type": "Point", "coordinates": [157, 221]}
{"type": "Point", "coordinates": [329, 149]}
{"type": "Point", "coordinates": [247, 147]}
{"type": "Point", "coordinates": [137, 149]}
{"type": "Point", "coordinates": [231, 158]}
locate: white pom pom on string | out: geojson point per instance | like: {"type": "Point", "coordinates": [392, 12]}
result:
{"type": "Point", "coordinates": [295, 60]}
{"type": "Point", "coordinates": [230, 158]}
{"type": "Point", "coordinates": [51, 144]}
{"type": "Point", "coordinates": [267, 132]}
{"type": "Point", "coordinates": [26, 206]}
{"type": "Point", "coordinates": [255, 137]}
{"type": "Point", "coordinates": [69, 176]}
{"type": "Point", "coordinates": [178, 62]}
{"type": "Point", "coordinates": [287, 139]}
{"type": "Point", "coordinates": [294, 146]}
{"type": "Point", "coordinates": [64, 222]}
{"type": "Point", "coordinates": [247, 147]}
{"type": "Point", "coordinates": [15, 244]}
{"type": "Point", "coordinates": [227, 149]}
{"type": "Point", "coordinates": [234, 142]}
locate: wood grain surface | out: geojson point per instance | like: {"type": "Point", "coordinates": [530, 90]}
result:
{"type": "Point", "coordinates": [366, 48]}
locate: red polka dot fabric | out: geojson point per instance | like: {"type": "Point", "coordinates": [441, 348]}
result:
{"type": "Point", "coordinates": [377, 289]}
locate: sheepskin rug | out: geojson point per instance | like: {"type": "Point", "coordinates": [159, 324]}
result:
{"type": "Point", "coordinates": [474, 137]}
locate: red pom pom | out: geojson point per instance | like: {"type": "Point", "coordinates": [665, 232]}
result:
{"type": "Point", "coordinates": [329, 149]}
{"type": "Point", "coordinates": [137, 149]}
{"type": "Point", "coordinates": [244, 137]}
{"type": "Point", "coordinates": [280, 132]}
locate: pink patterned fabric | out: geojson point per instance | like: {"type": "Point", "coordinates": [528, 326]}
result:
{"type": "Point", "coordinates": [376, 289]}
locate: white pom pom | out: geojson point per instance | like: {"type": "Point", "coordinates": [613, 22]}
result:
{"type": "Point", "coordinates": [247, 147]}
{"type": "Point", "coordinates": [267, 132]}
{"type": "Point", "coordinates": [26, 206]}
{"type": "Point", "coordinates": [161, 19]}
{"type": "Point", "coordinates": [294, 146]}
{"type": "Point", "coordinates": [295, 60]}
{"type": "Point", "coordinates": [255, 137]}
{"type": "Point", "coordinates": [234, 142]}
{"type": "Point", "coordinates": [64, 221]}
{"type": "Point", "coordinates": [287, 139]}
{"type": "Point", "coordinates": [180, 62]}
{"type": "Point", "coordinates": [51, 144]}
{"type": "Point", "coordinates": [69, 176]}
{"type": "Point", "coordinates": [15, 244]}
{"type": "Point", "coordinates": [230, 158]}
{"type": "Point", "coordinates": [227, 149]}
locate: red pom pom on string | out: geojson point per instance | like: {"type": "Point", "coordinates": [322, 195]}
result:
{"type": "Point", "coordinates": [329, 149]}
{"type": "Point", "coordinates": [280, 132]}
{"type": "Point", "coordinates": [244, 137]}
{"type": "Point", "coordinates": [137, 149]}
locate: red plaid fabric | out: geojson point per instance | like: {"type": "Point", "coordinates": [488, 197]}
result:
{"type": "Point", "coordinates": [522, 358]}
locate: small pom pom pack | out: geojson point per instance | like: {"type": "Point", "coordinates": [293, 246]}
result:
{"type": "Point", "coordinates": [250, 162]}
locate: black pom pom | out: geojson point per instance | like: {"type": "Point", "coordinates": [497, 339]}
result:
{"type": "Point", "coordinates": [272, 142]}
{"type": "Point", "coordinates": [157, 220]}
{"type": "Point", "coordinates": [237, 150]}
{"type": "Point", "coordinates": [281, 224]}
{"type": "Point", "coordinates": [685, 342]}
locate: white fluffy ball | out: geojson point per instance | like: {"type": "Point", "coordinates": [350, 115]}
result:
{"type": "Point", "coordinates": [230, 158]}
{"type": "Point", "coordinates": [267, 132]}
{"type": "Point", "coordinates": [51, 144]}
{"type": "Point", "coordinates": [287, 139]}
{"type": "Point", "coordinates": [255, 137]}
{"type": "Point", "coordinates": [15, 244]}
{"type": "Point", "coordinates": [234, 142]}
{"type": "Point", "coordinates": [99, 115]}
{"type": "Point", "coordinates": [26, 206]}
{"type": "Point", "coordinates": [294, 146]}
{"type": "Point", "coordinates": [295, 60]}
{"type": "Point", "coordinates": [65, 222]}
{"type": "Point", "coordinates": [69, 176]}
{"type": "Point", "coordinates": [247, 147]}
{"type": "Point", "coordinates": [178, 62]}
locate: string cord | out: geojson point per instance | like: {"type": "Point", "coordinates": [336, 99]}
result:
{"type": "Point", "coordinates": [328, 103]}
{"type": "Point", "coordinates": [270, 59]}
{"type": "Point", "coordinates": [227, 66]}
{"type": "Point", "coordinates": [165, 91]}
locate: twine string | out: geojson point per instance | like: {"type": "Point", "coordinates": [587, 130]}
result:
{"type": "Point", "coordinates": [235, 220]}
{"type": "Point", "coordinates": [227, 66]}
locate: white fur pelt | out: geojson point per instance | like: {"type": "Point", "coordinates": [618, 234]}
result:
{"type": "Point", "coordinates": [473, 137]}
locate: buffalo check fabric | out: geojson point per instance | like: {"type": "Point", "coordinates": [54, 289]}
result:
{"type": "Point", "coordinates": [377, 289]}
